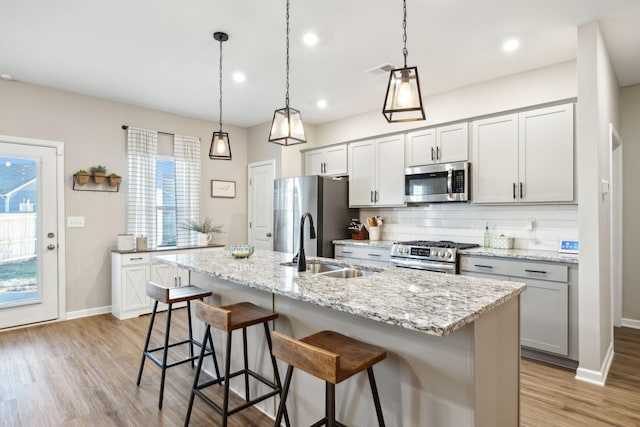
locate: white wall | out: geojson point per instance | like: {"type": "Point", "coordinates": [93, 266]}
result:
{"type": "Point", "coordinates": [597, 108]}
{"type": "Point", "coordinates": [92, 133]}
{"type": "Point", "coordinates": [630, 133]}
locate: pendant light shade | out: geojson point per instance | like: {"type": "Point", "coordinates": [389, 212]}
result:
{"type": "Point", "coordinates": [403, 100]}
{"type": "Point", "coordinates": [287, 127]}
{"type": "Point", "coordinates": [220, 145]}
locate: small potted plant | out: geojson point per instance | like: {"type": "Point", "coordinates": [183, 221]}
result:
{"type": "Point", "coordinates": [98, 173]}
{"type": "Point", "coordinates": [203, 228]}
{"type": "Point", "coordinates": [114, 179]}
{"type": "Point", "coordinates": [82, 177]}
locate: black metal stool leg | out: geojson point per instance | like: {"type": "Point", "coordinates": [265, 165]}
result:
{"type": "Point", "coordinates": [246, 364]}
{"type": "Point", "coordinates": [213, 355]}
{"type": "Point", "coordinates": [283, 396]}
{"type": "Point", "coordinates": [196, 379]}
{"type": "Point", "coordinates": [330, 404]}
{"type": "Point", "coordinates": [227, 372]}
{"type": "Point", "coordinates": [376, 398]}
{"type": "Point", "coordinates": [165, 352]}
{"type": "Point", "coordinates": [146, 342]}
{"type": "Point", "coordinates": [190, 333]}
{"type": "Point", "coordinates": [276, 372]}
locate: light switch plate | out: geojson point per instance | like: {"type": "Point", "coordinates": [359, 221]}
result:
{"type": "Point", "coordinates": [568, 246]}
{"type": "Point", "coordinates": [75, 221]}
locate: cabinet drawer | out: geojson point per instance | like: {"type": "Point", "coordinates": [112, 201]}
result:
{"type": "Point", "coordinates": [132, 259]}
{"type": "Point", "coordinates": [516, 268]}
{"type": "Point", "coordinates": [372, 253]}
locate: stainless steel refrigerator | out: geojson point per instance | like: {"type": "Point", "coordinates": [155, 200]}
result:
{"type": "Point", "coordinates": [326, 198]}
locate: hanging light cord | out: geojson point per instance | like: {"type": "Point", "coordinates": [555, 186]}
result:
{"type": "Point", "coordinates": [404, 32]}
{"type": "Point", "coordinates": [286, 99]}
{"type": "Point", "coordinates": [220, 85]}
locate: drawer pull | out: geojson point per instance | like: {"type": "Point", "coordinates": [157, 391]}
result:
{"type": "Point", "coordinates": [483, 266]}
{"type": "Point", "coordinates": [373, 254]}
{"type": "Point", "coordinates": [135, 259]}
{"type": "Point", "coordinates": [536, 271]}
{"type": "Point", "coordinates": [347, 252]}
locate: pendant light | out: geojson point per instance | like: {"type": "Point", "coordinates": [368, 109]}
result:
{"type": "Point", "coordinates": [287, 127]}
{"type": "Point", "coordinates": [403, 101]}
{"type": "Point", "coordinates": [220, 146]}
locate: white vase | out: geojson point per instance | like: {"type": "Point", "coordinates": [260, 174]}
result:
{"type": "Point", "coordinates": [203, 239]}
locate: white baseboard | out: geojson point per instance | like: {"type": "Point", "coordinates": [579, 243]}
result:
{"type": "Point", "coordinates": [597, 377]}
{"type": "Point", "coordinates": [631, 323]}
{"type": "Point", "coordinates": [88, 313]}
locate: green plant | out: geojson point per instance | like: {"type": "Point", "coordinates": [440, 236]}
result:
{"type": "Point", "coordinates": [82, 172]}
{"type": "Point", "coordinates": [114, 175]}
{"type": "Point", "coordinates": [204, 226]}
{"type": "Point", "coordinates": [99, 169]}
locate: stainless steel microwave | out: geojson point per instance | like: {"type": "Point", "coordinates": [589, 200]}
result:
{"type": "Point", "coordinates": [446, 182]}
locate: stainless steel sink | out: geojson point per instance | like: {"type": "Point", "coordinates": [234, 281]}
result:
{"type": "Point", "coordinates": [315, 267]}
{"type": "Point", "coordinates": [331, 270]}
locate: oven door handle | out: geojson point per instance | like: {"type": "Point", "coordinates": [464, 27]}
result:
{"type": "Point", "coordinates": [450, 182]}
{"type": "Point", "coordinates": [443, 267]}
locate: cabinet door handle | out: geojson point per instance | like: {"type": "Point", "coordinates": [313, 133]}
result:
{"type": "Point", "coordinates": [179, 281]}
{"type": "Point", "coordinates": [514, 191]}
{"type": "Point", "coordinates": [483, 266]}
{"type": "Point", "coordinates": [536, 271]}
{"type": "Point", "coordinates": [175, 281]}
{"type": "Point", "coordinates": [373, 254]}
{"type": "Point", "coordinates": [437, 153]}
{"type": "Point", "coordinates": [521, 191]}
{"type": "Point", "coordinates": [371, 197]}
{"type": "Point", "coordinates": [375, 196]}
{"type": "Point", "coordinates": [432, 157]}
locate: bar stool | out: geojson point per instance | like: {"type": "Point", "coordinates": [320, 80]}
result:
{"type": "Point", "coordinates": [230, 318]}
{"type": "Point", "coordinates": [332, 357]}
{"type": "Point", "coordinates": [171, 296]}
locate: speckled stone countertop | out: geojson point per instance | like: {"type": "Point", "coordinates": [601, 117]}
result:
{"type": "Point", "coordinates": [433, 303]}
{"type": "Point", "coordinates": [525, 254]}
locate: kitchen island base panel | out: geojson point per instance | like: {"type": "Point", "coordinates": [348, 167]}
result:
{"type": "Point", "coordinates": [425, 380]}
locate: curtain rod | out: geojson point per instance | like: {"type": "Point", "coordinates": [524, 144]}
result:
{"type": "Point", "coordinates": [125, 127]}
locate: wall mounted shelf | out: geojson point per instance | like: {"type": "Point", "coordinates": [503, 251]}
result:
{"type": "Point", "coordinates": [92, 186]}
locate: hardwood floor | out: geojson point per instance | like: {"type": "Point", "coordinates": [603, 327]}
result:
{"type": "Point", "coordinates": [82, 373]}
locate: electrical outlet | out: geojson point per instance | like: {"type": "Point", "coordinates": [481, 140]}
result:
{"type": "Point", "coordinates": [75, 221]}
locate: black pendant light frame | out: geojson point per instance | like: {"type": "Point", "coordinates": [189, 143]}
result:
{"type": "Point", "coordinates": [283, 118]}
{"type": "Point", "coordinates": [405, 75]}
{"type": "Point", "coordinates": [220, 138]}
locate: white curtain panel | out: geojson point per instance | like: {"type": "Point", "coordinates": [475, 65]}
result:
{"type": "Point", "coordinates": [187, 156]}
{"type": "Point", "coordinates": [142, 150]}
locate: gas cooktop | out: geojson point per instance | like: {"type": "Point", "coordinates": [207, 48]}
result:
{"type": "Point", "coordinates": [438, 244]}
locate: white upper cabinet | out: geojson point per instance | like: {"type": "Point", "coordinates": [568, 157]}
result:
{"type": "Point", "coordinates": [331, 161]}
{"type": "Point", "coordinates": [525, 157]}
{"type": "Point", "coordinates": [443, 144]}
{"type": "Point", "coordinates": [376, 172]}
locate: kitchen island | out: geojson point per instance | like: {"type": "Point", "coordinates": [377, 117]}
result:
{"type": "Point", "coordinates": [452, 341]}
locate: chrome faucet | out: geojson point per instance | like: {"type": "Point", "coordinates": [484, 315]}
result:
{"type": "Point", "coordinates": [302, 261]}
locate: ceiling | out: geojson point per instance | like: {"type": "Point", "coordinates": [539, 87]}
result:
{"type": "Point", "coordinates": [161, 54]}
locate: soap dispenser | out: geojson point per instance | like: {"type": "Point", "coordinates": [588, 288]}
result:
{"type": "Point", "coordinates": [487, 237]}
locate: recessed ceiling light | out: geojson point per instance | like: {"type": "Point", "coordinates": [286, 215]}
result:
{"type": "Point", "coordinates": [5, 76]}
{"type": "Point", "coordinates": [239, 77]}
{"type": "Point", "coordinates": [510, 45]}
{"type": "Point", "coordinates": [322, 103]}
{"type": "Point", "coordinates": [310, 39]}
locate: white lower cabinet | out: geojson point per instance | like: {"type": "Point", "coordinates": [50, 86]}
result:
{"type": "Point", "coordinates": [370, 254]}
{"type": "Point", "coordinates": [548, 306]}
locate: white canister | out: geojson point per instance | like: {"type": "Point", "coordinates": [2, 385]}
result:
{"type": "Point", "coordinates": [125, 242]}
{"type": "Point", "coordinates": [374, 233]}
{"type": "Point", "coordinates": [141, 243]}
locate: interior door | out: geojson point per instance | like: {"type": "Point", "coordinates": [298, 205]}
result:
{"type": "Point", "coordinates": [261, 176]}
{"type": "Point", "coordinates": [28, 233]}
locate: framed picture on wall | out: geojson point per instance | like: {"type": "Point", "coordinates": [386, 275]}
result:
{"type": "Point", "coordinates": [226, 189]}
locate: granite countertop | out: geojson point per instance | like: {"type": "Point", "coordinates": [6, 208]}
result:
{"type": "Point", "coordinates": [181, 248]}
{"type": "Point", "coordinates": [433, 303]}
{"type": "Point", "coordinates": [525, 254]}
{"type": "Point", "coordinates": [378, 243]}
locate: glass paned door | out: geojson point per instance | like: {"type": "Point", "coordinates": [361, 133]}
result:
{"type": "Point", "coordinates": [28, 234]}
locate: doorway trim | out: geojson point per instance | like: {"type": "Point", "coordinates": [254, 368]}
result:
{"type": "Point", "coordinates": [616, 224]}
{"type": "Point", "coordinates": [59, 147]}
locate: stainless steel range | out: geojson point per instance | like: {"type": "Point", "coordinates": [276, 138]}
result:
{"type": "Point", "coordinates": [439, 256]}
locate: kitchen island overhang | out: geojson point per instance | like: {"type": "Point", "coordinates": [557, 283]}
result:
{"type": "Point", "coordinates": [453, 341]}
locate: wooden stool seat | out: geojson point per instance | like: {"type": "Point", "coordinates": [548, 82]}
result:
{"type": "Point", "coordinates": [332, 357]}
{"type": "Point", "coordinates": [171, 296]}
{"type": "Point", "coordinates": [229, 318]}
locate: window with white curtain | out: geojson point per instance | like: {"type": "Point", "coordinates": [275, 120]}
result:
{"type": "Point", "coordinates": [163, 191]}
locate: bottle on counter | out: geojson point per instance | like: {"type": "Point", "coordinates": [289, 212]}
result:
{"type": "Point", "coordinates": [487, 237]}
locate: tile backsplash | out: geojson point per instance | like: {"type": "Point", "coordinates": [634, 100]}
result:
{"type": "Point", "coordinates": [465, 222]}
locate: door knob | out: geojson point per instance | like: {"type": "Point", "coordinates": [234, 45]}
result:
{"type": "Point", "coordinates": [51, 246]}
{"type": "Point", "coordinates": [269, 234]}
